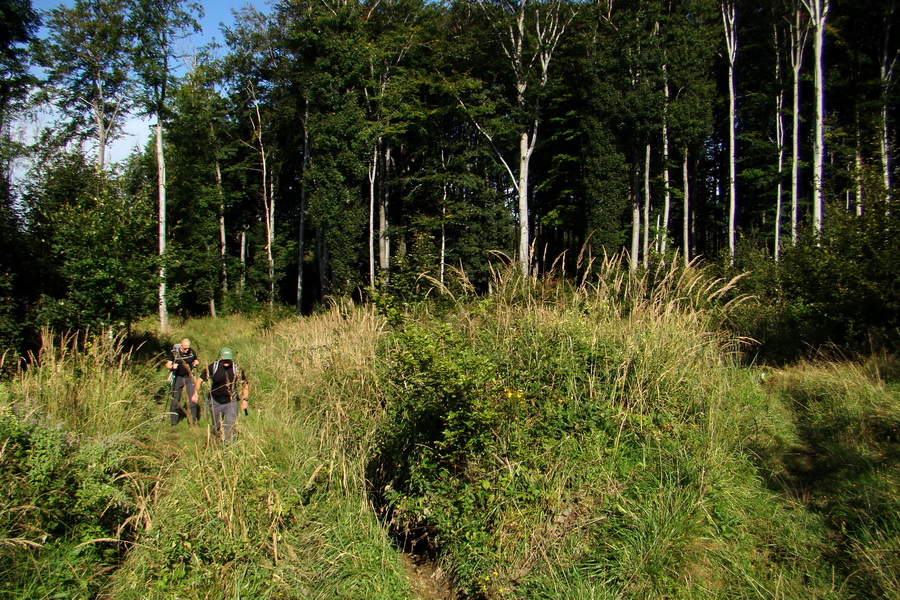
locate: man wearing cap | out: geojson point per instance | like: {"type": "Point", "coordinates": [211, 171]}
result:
{"type": "Point", "coordinates": [228, 386]}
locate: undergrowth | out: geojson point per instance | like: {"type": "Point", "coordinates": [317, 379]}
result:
{"type": "Point", "coordinates": [550, 440]}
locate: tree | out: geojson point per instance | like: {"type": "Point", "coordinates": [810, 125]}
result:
{"type": "Point", "coordinates": [528, 33]}
{"type": "Point", "coordinates": [18, 26]}
{"type": "Point", "coordinates": [159, 24]}
{"type": "Point", "coordinates": [798, 31]}
{"type": "Point", "coordinates": [96, 244]}
{"type": "Point", "coordinates": [87, 55]}
{"type": "Point", "coordinates": [818, 13]}
{"type": "Point", "coordinates": [729, 20]}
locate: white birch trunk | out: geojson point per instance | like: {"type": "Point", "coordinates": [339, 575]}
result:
{"type": "Point", "coordinates": [728, 19]}
{"type": "Point", "coordinates": [686, 207]}
{"type": "Point", "coordinates": [818, 12]}
{"type": "Point", "coordinates": [161, 186]}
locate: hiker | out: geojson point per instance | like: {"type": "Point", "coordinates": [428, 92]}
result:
{"type": "Point", "coordinates": [228, 386]}
{"type": "Point", "coordinates": [181, 360]}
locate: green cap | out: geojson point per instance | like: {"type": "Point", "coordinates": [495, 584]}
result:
{"type": "Point", "coordinates": [226, 354]}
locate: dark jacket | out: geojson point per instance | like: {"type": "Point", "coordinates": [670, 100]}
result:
{"type": "Point", "coordinates": [226, 379]}
{"type": "Point", "coordinates": [183, 361]}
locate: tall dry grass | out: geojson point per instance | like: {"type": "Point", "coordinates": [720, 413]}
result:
{"type": "Point", "coordinates": [87, 381]}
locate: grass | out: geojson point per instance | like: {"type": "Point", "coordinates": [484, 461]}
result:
{"type": "Point", "coordinates": [551, 440]}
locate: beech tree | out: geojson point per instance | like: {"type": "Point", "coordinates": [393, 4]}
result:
{"type": "Point", "coordinates": [528, 33]}
{"type": "Point", "coordinates": [159, 25]}
{"type": "Point", "coordinates": [87, 57]}
{"type": "Point", "coordinates": [818, 14]}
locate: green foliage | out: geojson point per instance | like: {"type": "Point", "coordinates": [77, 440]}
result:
{"type": "Point", "coordinates": [66, 506]}
{"type": "Point", "coordinates": [612, 442]}
{"type": "Point", "coordinates": [836, 291]}
{"type": "Point", "coordinates": [96, 242]}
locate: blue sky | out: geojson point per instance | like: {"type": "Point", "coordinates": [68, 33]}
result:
{"type": "Point", "coordinates": [215, 12]}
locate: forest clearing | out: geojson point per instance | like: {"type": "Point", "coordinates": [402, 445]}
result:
{"type": "Point", "coordinates": [533, 300]}
{"type": "Point", "coordinates": [542, 442]}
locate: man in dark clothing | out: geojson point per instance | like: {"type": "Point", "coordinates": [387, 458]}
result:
{"type": "Point", "coordinates": [228, 386]}
{"type": "Point", "coordinates": [181, 360]}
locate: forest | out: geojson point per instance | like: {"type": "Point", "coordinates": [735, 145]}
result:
{"type": "Point", "coordinates": [535, 299]}
{"type": "Point", "coordinates": [337, 149]}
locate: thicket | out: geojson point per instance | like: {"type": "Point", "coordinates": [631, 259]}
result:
{"type": "Point", "coordinates": [602, 442]}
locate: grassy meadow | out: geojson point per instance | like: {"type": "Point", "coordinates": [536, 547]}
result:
{"type": "Point", "coordinates": [545, 441]}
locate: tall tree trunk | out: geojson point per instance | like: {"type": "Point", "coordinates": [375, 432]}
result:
{"type": "Point", "coordinates": [818, 12]}
{"type": "Point", "coordinates": [444, 234]}
{"type": "Point", "coordinates": [243, 260]}
{"type": "Point", "coordinates": [887, 70]}
{"type": "Point", "coordinates": [686, 206]}
{"type": "Point", "coordinates": [161, 187]}
{"type": "Point", "coordinates": [667, 192]}
{"type": "Point", "coordinates": [635, 215]}
{"type": "Point", "coordinates": [646, 247]}
{"type": "Point", "coordinates": [526, 147]}
{"type": "Point", "coordinates": [729, 21]}
{"type": "Point", "coordinates": [223, 250]}
{"type": "Point", "coordinates": [858, 175]}
{"type": "Point", "coordinates": [301, 235]}
{"type": "Point", "coordinates": [799, 31]}
{"type": "Point", "coordinates": [373, 168]}
{"type": "Point", "coordinates": [779, 141]}
{"type": "Point", "coordinates": [384, 242]}
{"type": "Point", "coordinates": [516, 39]}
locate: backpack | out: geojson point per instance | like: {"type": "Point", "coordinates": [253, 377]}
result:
{"type": "Point", "coordinates": [232, 384]}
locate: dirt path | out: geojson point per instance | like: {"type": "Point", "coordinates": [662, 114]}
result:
{"type": "Point", "coordinates": [429, 582]}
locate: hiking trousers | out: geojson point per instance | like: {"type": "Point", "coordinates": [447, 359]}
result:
{"type": "Point", "coordinates": [182, 384]}
{"type": "Point", "coordinates": [223, 417]}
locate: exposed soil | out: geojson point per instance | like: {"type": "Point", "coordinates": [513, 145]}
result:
{"type": "Point", "coordinates": [429, 582]}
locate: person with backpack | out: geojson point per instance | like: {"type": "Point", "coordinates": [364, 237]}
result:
{"type": "Point", "coordinates": [180, 362]}
{"type": "Point", "coordinates": [228, 387]}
